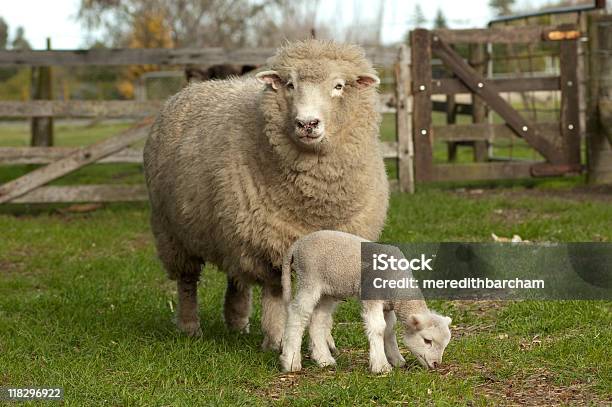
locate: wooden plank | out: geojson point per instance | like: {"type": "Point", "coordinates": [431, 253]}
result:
{"type": "Point", "coordinates": [403, 122]}
{"type": "Point", "coordinates": [554, 170]}
{"type": "Point", "coordinates": [110, 109]}
{"type": "Point", "coordinates": [46, 155]}
{"type": "Point", "coordinates": [599, 123]}
{"type": "Point", "coordinates": [157, 56]}
{"type": "Point", "coordinates": [86, 155]}
{"type": "Point", "coordinates": [500, 35]}
{"type": "Point", "coordinates": [454, 86]}
{"type": "Point", "coordinates": [478, 85]}
{"type": "Point", "coordinates": [478, 60]}
{"type": "Point", "coordinates": [389, 149]}
{"type": "Point", "coordinates": [481, 171]}
{"type": "Point", "coordinates": [570, 110]}
{"type": "Point", "coordinates": [421, 114]}
{"type": "Point", "coordinates": [85, 193]}
{"type": "Point", "coordinates": [486, 131]}
{"type": "Point", "coordinates": [81, 108]}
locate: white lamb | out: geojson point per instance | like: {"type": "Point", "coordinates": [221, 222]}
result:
{"type": "Point", "coordinates": [327, 265]}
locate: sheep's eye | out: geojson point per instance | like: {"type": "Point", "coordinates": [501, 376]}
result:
{"type": "Point", "coordinates": [290, 86]}
{"type": "Point", "coordinates": [338, 86]}
{"type": "Point", "coordinates": [428, 342]}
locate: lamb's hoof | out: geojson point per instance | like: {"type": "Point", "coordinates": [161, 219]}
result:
{"type": "Point", "coordinates": [381, 368]}
{"type": "Point", "coordinates": [291, 364]}
{"type": "Point", "coordinates": [397, 361]}
{"type": "Point", "coordinates": [325, 361]}
{"type": "Point", "coordinates": [191, 329]}
{"type": "Point", "coordinates": [270, 344]}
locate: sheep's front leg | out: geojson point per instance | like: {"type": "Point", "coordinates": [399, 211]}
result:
{"type": "Point", "coordinates": [374, 320]}
{"type": "Point", "coordinates": [273, 315]}
{"type": "Point", "coordinates": [391, 349]}
{"type": "Point", "coordinates": [187, 312]}
{"type": "Point", "coordinates": [321, 341]}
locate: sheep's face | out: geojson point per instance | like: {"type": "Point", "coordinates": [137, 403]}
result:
{"type": "Point", "coordinates": [315, 106]}
{"type": "Point", "coordinates": [427, 335]}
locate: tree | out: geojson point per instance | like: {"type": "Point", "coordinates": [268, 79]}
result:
{"type": "Point", "coordinates": [501, 7]}
{"type": "Point", "coordinates": [4, 31]}
{"type": "Point", "coordinates": [418, 18]}
{"type": "Point", "coordinates": [440, 21]}
{"type": "Point", "coordinates": [20, 42]}
{"type": "Point", "coordinates": [210, 23]}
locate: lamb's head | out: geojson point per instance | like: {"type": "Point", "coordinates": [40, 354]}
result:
{"type": "Point", "coordinates": [318, 83]}
{"type": "Point", "coordinates": [426, 335]}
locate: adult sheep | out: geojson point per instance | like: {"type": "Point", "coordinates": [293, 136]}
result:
{"type": "Point", "coordinates": [239, 169]}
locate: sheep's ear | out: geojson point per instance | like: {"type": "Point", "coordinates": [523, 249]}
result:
{"type": "Point", "coordinates": [448, 321]}
{"type": "Point", "coordinates": [366, 80]}
{"type": "Point", "coordinates": [416, 322]}
{"type": "Point", "coordinates": [269, 78]}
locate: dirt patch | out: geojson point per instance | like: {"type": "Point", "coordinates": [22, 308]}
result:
{"type": "Point", "coordinates": [598, 193]}
{"type": "Point", "coordinates": [7, 266]}
{"type": "Point", "coordinates": [533, 388]}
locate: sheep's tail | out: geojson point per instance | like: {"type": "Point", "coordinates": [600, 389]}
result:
{"type": "Point", "coordinates": [286, 276]}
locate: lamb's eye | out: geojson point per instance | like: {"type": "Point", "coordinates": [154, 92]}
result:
{"type": "Point", "coordinates": [290, 86]}
{"type": "Point", "coordinates": [338, 86]}
{"type": "Point", "coordinates": [428, 342]}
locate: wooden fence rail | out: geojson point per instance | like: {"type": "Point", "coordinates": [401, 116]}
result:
{"type": "Point", "coordinates": [185, 56]}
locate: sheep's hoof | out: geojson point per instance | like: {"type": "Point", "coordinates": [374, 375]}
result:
{"type": "Point", "coordinates": [191, 329]}
{"type": "Point", "coordinates": [381, 368]}
{"type": "Point", "coordinates": [271, 344]}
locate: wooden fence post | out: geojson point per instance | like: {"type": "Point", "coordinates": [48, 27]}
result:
{"type": "Point", "coordinates": [41, 128]}
{"type": "Point", "coordinates": [420, 44]}
{"type": "Point", "coordinates": [478, 61]}
{"type": "Point", "coordinates": [403, 122]}
{"type": "Point", "coordinates": [570, 114]}
{"type": "Point", "coordinates": [599, 106]}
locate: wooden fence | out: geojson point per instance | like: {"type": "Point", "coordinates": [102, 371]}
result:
{"type": "Point", "coordinates": [61, 161]}
{"type": "Point", "coordinates": [411, 101]}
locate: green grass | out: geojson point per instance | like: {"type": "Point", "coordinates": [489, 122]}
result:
{"type": "Point", "coordinates": [84, 304]}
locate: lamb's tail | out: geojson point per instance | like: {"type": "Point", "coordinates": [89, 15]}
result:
{"type": "Point", "coordinates": [286, 275]}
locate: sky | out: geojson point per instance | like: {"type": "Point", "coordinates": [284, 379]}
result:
{"type": "Point", "coordinates": [57, 18]}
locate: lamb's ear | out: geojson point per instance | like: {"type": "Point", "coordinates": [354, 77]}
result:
{"type": "Point", "coordinates": [366, 80]}
{"type": "Point", "coordinates": [269, 78]}
{"type": "Point", "coordinates": [448, 321]}
{"type": "Point", "coordinates": [416, 322]}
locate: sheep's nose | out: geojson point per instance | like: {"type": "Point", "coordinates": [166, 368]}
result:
{"type": "Point", "coordinates": [309, 124]}
{"type": "Point", "coordinates": [435, 365]}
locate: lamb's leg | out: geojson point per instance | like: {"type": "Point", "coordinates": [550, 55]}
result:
{"type": "Point", "coordinates": [237, 308]}
{"type": "Point", "coordinates": [321, 341]}
{"type": "Point", "coordinates": [391, 349]}
{"type": "Point", "coordinates": [299, 313]}
{"type": "Point", "coordinates": [374, 320]}
{"type": "Point", "coordinates": [273, 314]}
